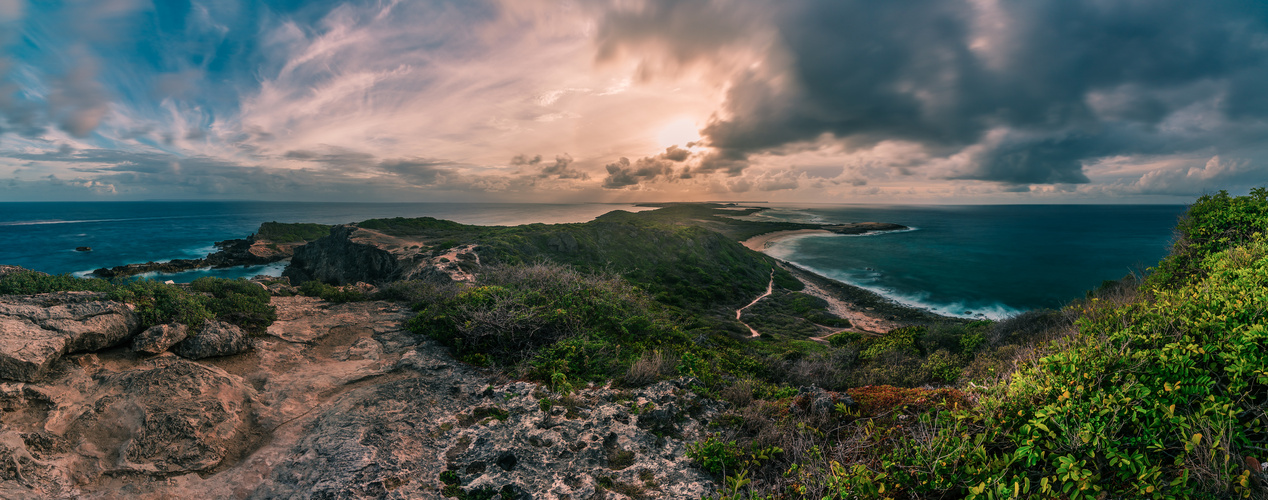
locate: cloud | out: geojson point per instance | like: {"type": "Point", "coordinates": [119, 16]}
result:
{"type": "Point", "coordinates": [1196, 179]}
{"type": "Point", "coordinates": [561, 169]}
{"type": "Point", "coordinates": [1070, 80]}
{"type": "Point", "coordinates": [623, 173]}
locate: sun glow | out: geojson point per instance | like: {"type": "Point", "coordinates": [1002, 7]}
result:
{"type": "Point", "coordinates": [678, 133]}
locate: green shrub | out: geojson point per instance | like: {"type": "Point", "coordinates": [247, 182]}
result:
{"type": "Point", "coordinates": [547, 319]}
{"type": "Point", "coordinates": [330, 293]}
{"type": "Point", "coordinates": [1159, 396]}
{"type": "Point", "coordinates": [1213, 223]}
{"type": "Point", "coordinates": [159, 303]}
{"type": "Point", "coordinates": [903, 340]}
{"type": "Point", "coordinates": [26, 282]}
{"type": "Point", "coordinates": [279, 232]}
{"type": "Point", "coordinates": [726, 458]}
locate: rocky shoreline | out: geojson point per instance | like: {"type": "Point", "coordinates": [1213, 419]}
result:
{"type": "Point", "coordinates": [229, 253]}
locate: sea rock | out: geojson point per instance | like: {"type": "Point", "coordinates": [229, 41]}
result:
{"type": "Point", "coordinates": [159, 338]}
{"type": "Point", "coordinates": [214, 338]}
{"type": "Point", "coordinates": [36, 330]}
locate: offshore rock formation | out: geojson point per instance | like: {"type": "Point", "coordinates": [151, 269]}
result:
{"type": "Point", "coordinates": [252, 251]}
{"type": "Point", "coordinates": [334, 401]}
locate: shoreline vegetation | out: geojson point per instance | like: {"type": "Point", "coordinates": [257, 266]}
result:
{"type": "Point", "coordinates": [1153, 386]}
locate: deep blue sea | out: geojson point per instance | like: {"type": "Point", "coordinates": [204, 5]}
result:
{"type": "Point", "coordinates": [43, 235]}
{"type": "Point", "coordinates": [983, 260]}
{"type": "Point", "coordinates": [960, 260]}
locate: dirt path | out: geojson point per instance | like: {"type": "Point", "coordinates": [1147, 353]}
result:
{"type": "Point", "coordinates": [769, 288]}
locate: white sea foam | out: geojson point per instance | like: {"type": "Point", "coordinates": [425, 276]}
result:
{"type": "Point", "coordinates": [84, 221]}
{"type": "Point", "coordinates": [920, 300]}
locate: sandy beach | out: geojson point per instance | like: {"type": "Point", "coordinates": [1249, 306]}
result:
{"type": "Point", "coordinates": [761, 241]}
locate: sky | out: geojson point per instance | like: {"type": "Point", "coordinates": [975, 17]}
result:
{"type": "Point", "coordinates": [814, 101]}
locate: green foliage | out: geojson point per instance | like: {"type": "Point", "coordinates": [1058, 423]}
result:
{"type": "Point", "coordinates": [158, 303]}
{"type": "Point", "coordinates": [241, 302]}
{"type": "Point", "coordinates": [26, 282]}
{"type": "Point", "coordinates": [280, 232]}
{"type": "Point", "coordinates": [402, 226]}
{"type": "Point", "coordinates": [678, 263]}
{"type": "Point", "coordinates": [1213, 223]}
{"type": "Point", "coordinates": [726, 458]}
{"type": "Point", "coordinates": [1159, 396]}
{"type": "Point", "coordinates": [903, 340]}
{"type": "Point", "coordinates": [549, 322]}
{"type": "Point", "coordinates": [330, 293]}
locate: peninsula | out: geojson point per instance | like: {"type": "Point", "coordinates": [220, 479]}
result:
{"type": "Point", "coordinates": [649, 355]}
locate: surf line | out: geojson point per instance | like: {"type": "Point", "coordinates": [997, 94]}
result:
{"type": "Point", "coordinates": [769, 287]}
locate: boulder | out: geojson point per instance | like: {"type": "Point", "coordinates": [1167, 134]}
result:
{"type": "Point", "coordinates": [158, 338]}
{"type": "Point", "coordinates": [215, 338]}
{"type": "Point", "coordinates": [36, 330]}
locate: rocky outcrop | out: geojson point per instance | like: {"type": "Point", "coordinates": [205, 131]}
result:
{"type": "Point", "coordinates": [36, 330]}
{"type": "Point", "coordinates": [336, 401]}
{"type": "Point", "coordinates": [352, 254]}
{"type": "Point", "coordinates": [159, 338]}
{"type": "Point", "coordinates": [252, 251]}
{"type": "Point", "coordinates": [214, 338]}
{"type": "Point", "coordinates": [864, 227]}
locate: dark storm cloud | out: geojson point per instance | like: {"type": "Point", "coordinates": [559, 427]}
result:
{"type": "Point", "coordinates": [946, 73]}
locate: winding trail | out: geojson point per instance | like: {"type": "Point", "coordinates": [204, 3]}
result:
{"type": "Point", "coordinates": [769, 288]}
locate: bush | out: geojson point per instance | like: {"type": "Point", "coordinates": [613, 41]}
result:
{"type": "Point", "coordinates": [27, 282]}
{"type": "Point", "coordinates": [330, 293]}
{"type": "Point", "coordinates": [1159, 394]}
{"type": "Point", "coordinates": [159, 303]}
{"type": "Point", "coordinates": [545, 319]}
{"type": "Point", "coordinates": [279, 232]}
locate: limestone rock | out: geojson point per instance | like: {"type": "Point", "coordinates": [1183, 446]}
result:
{"type": "Point", "coordinates": [159, 338]}
{"type": "Point", "coordinates": [175, 416]}
{"type": "Point", "coordinates": [215, 338]}
{"type": "Point", "coordinates": [335, 401]}
{"type": "Point", "coordinates": [36, 330]}
{"type": "Point", "coordinates": [352, 254]}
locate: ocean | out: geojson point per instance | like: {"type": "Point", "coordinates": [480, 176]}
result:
{"type": "Point", "coordinates": [970, 261]}
{"type": "Point", "coordinates": [43, 235]}
{"type": "Point", "coordinates": [988, 261]}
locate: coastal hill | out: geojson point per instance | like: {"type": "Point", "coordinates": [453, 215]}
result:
{"type": "Point", "coordinates": [639, 355]}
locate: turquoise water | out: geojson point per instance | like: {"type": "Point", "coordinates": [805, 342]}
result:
{"type": "Point", "coordinates": [982, 261]}
{"type": "Point", "coordinates": [43, 236]}
{"type": "Point", "coordinates": [969, 261]}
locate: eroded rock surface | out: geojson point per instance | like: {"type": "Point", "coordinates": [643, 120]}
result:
{"type": "Point", "coordinates": [36, 330]}
{"type": "Point", "coordinates": [215, 338]}
{"type": "Point", "coordinates": [335, 401]}
{"type": "Point", "coordinates": [159, 338]}
{"type": "Point", "coordinates": [352, 254]}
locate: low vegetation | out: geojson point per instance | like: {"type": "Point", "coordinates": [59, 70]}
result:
{"type": "Point", "coordinates": [298, 232]}
{"type": "Point", "coordinates": [240, 302]}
